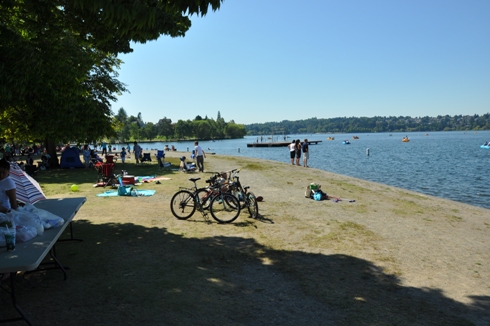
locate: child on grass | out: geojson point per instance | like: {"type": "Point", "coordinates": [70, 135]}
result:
{"type": "Point", "coordinates": [123, 155]}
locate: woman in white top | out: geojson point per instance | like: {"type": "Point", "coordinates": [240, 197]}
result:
{"type": "Point", "coordinates": [8, 195]}
{"type": "Point", "coordinates": [292, 151]}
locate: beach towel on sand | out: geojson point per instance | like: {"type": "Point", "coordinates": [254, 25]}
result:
{"type": "Point", "coordinates": [113, 193]}
{"type": "Point", "coordinates": [150, 178]}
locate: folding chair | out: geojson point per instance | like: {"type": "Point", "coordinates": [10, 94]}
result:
{"type": "Point", "coordinates": [109, 158]}
{"type": "Point", "coordinates": [146, 158]}
{"type": "Point", "coordinates": [161, 163]}
{"type": "Point", "coordinates": [107, 176]}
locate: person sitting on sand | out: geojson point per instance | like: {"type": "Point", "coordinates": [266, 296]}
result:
{"type": "Point", "coordinates": [186, 167]}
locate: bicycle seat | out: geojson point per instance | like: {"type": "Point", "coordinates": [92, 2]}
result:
{"type": "Point", "coordinates": [194, 179]}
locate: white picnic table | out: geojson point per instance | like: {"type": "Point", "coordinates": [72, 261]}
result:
{"type": "Point", "coordinates": [27, 256]}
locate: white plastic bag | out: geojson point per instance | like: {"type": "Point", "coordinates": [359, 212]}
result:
{"type": "Point", "coordinates": [25, 233]}
{"type": "Point", "coordinates": [48, 219]}
{"type": "Point", "coordinates": [21, 216]}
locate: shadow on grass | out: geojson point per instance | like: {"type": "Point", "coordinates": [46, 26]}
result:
{"type": "Point", "coordinates": [125, 274]}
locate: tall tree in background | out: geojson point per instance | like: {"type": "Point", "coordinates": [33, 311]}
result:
{"type": "Point", "coordinates": [165, 128]}
{"type": "Point", "coordinates": [183, 128]}
{"type": "Point", "coordinates": [149, 131]}
{"type": "Point", "coordinates": [123, 129]}
{"type": "Point", "coordinates": [202, 129]}
{"type": "Point", "coordinates": [220, 126]}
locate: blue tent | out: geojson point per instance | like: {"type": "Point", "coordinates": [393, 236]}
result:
{"type": "Point", "coordinates": [70, 159]}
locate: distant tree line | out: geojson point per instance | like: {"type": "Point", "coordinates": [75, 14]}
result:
{"type": "Point", "coordinates": [129, 128]}
{"type": "Point", "coordinates": [374, 124]}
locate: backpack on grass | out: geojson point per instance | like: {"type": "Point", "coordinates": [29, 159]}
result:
{"type": "Point", "coordinates": [314, 191]}
{"type": "Point", "coordinates": [126, 190]}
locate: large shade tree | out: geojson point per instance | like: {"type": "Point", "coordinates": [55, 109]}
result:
{"type": "Point", "coordinates": [58, 61]}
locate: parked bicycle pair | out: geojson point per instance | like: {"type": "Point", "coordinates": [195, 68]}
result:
{"type": "Point", "coordinates": [224, 198]}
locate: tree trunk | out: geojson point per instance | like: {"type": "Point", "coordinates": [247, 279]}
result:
{"type": "Point", "coordinates": [51, 149]}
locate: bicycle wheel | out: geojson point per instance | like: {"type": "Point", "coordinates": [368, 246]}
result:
{"type": "Point", "coordinates": [225, 208]}
{"type": "Point", "coordinates": [204, 197]}
{"type": "Point", "coordinates": [234, 194]}
{"type": "Point", "coordinates": [253, 207]}
{"type": "Point", "coordinates": [183, 204]}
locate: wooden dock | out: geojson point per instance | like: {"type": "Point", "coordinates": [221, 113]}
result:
{"type": "Point", "coordinates": [279, 144]}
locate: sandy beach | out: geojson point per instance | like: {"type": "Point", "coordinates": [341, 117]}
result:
{"type": "Point", "coordinates": [379, 256]}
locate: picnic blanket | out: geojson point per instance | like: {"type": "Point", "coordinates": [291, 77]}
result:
{"type": "Point", "coordinates": [113, 193]}
{"type": "Point", "coordinates": [149, 178]}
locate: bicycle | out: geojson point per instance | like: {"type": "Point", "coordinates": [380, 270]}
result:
{"type": "Point", "coordinates": [223, 206]}
{"type": "Point", "coordinates": [242, 193]}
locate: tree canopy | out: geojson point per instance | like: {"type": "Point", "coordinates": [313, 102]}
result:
{"type": "Point", "coordinates": [58, 60]}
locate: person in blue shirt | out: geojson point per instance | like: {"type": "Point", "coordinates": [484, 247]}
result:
{"type": "Point", "coordinates": [123, 155]}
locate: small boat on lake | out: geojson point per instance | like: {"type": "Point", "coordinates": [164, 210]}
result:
{"type": "Point", "coordinates": [485, 146]}
{"type": "Point", "coordinates": [355, 137]}
{"type": "Point", "coordinates": [405, 140]}
{"type": "Point", "coordinates": [331, 138]}
{"type": "Point", "coordinates": [346, 142]}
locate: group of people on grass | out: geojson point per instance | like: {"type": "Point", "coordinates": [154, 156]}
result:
{"type": "Point", "coordinates": [12, 150]}
{"type": "Point", "coordinates": [296, 148]}
{"type": "Point", "coordinates": [91, 157]}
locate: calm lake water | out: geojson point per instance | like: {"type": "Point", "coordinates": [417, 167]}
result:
{"type": "Point", "coordinates": [450, 165]}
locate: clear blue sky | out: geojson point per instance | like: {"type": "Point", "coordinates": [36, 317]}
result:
{"type": "Point", "coordinates": [271, 60]}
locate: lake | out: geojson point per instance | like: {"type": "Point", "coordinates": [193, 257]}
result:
{"type": "Point", "coordinates": [450, 165]}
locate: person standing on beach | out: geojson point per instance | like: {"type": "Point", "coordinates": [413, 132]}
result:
{"type": "Point", "coordinates": [104, 148]}
{"type": "Point", "coordinates": [123, 155]}
{"type": "Point", "coordinates": [306, 153]}
{"type": "Point", "coordinates": [292, 151]}
{"type": "Point", "coordinates": [200, 155]}
{"type": "Point", "coordinates": [297, 150]}
{"type": "Point", "coordinates": [137, 152]}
